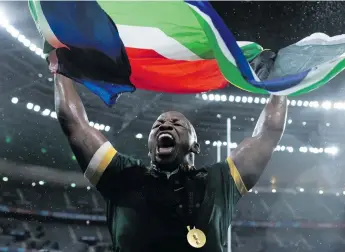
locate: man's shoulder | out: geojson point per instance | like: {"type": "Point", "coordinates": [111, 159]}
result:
{"type": "Point", "coordinates": [215, 167]}
{"type": "Point", "coordinates": [126, 161]}
{"type": "Point", "coordinates": [218, 172]}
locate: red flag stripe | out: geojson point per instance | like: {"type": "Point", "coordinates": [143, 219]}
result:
{"type": "Point", "coordinates": [152, 71]}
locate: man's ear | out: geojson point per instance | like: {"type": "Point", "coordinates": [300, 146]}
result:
{"type": "Point", "coordinates": [195, 148]}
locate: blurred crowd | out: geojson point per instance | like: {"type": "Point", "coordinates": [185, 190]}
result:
{"type": "Point", "coordinates": [263, 221]}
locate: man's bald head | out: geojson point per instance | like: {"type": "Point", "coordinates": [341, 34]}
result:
{"type": "Point", "coordinates": [173, 140]}
{"type": "Point", "coordinates": [176, 114]}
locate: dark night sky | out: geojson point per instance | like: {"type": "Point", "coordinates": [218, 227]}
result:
{"type": "Point", "coordinates": [277, 24]}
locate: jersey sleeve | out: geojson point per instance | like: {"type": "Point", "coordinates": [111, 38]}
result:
{"type": "Point", "coordinates": [112, 172]}
{"type": "Point", "coordinates": [235, 183]}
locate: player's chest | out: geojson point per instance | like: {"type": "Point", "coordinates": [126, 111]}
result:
{"type": "Point", "coordinates": [180, 199]}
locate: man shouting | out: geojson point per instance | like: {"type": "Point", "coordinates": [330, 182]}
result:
{"type": "Point", "coordinates": [170, 205]}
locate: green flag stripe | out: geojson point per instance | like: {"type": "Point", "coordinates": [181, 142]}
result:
{"type": "Point", "coordinates": [332, 73]}
{"type": "Point", "coordinates": [229, 69]}
{"type": "Point", "coordinates": [174, 18]}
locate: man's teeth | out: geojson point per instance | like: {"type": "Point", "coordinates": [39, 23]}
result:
{"type": "Point", "coordinates": [165, 135]}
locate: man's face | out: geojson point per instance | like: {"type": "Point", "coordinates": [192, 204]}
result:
{"type": "Point", "coordinates": [171, 139]}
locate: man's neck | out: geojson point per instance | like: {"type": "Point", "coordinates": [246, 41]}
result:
{"type": "Point", "coordinates": [171, 170]}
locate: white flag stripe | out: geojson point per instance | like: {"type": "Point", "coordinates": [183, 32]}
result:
{"type": "Point", "coordinates": [152, 38]}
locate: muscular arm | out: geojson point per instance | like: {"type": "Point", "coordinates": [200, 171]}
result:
{"type": "Point", "coordinates": [83, 139]}
{"type": "Point", "coordinates": [254, 153]}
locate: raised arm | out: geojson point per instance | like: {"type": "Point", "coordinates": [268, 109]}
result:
{"type": "Point", "coordinates": [254, 153]}
{"type": "Point", "coordinates": [83, 139]}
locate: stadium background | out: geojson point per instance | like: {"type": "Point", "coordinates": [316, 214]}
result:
{"type": "Point", "coordinates": [298, 204]}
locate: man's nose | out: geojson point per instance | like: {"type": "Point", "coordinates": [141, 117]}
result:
{"type": "Point", "coordinates": [165, 126]}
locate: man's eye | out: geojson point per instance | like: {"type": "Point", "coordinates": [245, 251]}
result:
{"type": "Point", "coordinates": [156, 126]}
{"type": "Point", "coordinates": [177, 124]}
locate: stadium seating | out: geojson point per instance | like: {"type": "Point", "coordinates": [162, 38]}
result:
{"type": "Point", "coordinates": [33, 234]}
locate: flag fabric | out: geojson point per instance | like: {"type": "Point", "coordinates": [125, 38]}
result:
{"type": "Point", "coordinates": [177, 46]}
{"type": "Point", "coordinates": [180, 62]}
{"type": "Point", "coordinates": [322, 54]}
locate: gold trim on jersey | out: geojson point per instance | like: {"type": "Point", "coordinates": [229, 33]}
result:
{"type": "Point", "coordinates": [99, 162]}
{"type": "Point", "coordinates": [241, 187]}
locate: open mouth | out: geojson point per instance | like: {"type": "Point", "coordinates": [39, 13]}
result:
{"type": "Point", "coordinates": [165, 144]}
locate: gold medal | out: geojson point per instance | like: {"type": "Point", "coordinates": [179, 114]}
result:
{"type": "Point", "coordinates": [196, 238]}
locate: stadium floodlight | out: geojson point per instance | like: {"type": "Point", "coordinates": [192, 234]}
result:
{"type": "Point", "coordinates": [14, 100]}
{"type": "Point", "coordinates": [139, 136]}
{"type": "Point", "coordinates": [33, 184]}
{"type": "Point", "coordinates": [20, 37]}
{"type": "Point", "coordinates": [207, 142]}
{"type": "Point", "coordinates": [256, 192]}
{"type": "Point", "coordinates": [331, 150]}
{"type": "Point", "coordinates": [301, 189]}
{"type": "Point", "coordinates": [88, 188]}
{"type": "Point", "coordinates": [5, 179]}
{"type": "Point", "coordinates": [320, 192]}
{"type": "Point", "coordinates": [53, 115]}
{"type": "Point", "coordinates": [303, 149]}
{"type": "Point", "coordinates": [37, 108]}
{"type": "Point", "coordinates": [41, 182]}
{"type": "Point", "coordinates": [73, 185]}
{"type": "Point", "coordinates": [32, 47]}
{"type": "Point", "coordinates": [107, 128]}
{"type": "Point", "coordinates": [299, 103]}
{"type": "Point", "coordinates": [326, 105]}
{"type": "Point", "coordinates": [29, 105]}
{"type": "Point", "coordinates": [46, 112]}
{"type": "Point", "coordinates": [289, 149]}
{"type": "Point", "coordinates": [274, 190]}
